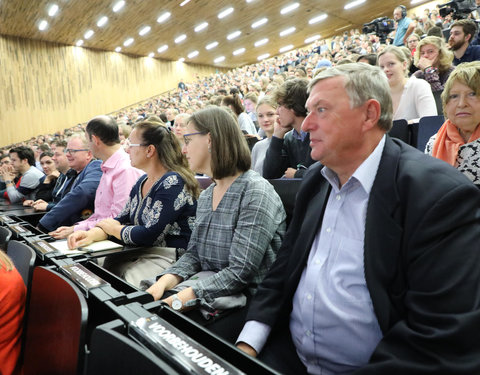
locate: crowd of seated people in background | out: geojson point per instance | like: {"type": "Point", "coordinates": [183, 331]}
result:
{"type": "Point", "coordinates": [130, 176]}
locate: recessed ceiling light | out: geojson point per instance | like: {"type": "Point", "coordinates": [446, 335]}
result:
{"type": "Point", "coordinates": [102, 21]}
{"type": "Point", "coordinates": [239, 51]}
{"type": "Point", "coordinates": [234, 35]}
{"type": "Point", "coordinates": [180, 38]}
{"type": "Point", "coordinates": [289, 8]}
{"type": "Point", "coordinates": [128, 42]}
{"type": "Point", "coordinates": [119, 5]}
{"type": "Point", "coordinates": [191, 55]}
{"type": "Point", "coordinates": [264, 56]}
{"type": "Point", "coordinates": [312, 39]}
{"type": "Point", "coordinates": [225, 13]}
{"type": "Point", "coordinates": [79, 43]}
{"type": "Point", "coordinates": [286, 48]}
{"type": "Point", "coordinates": [163, 17]}
{"type": "Point", "coordinates": [144, 30]}
{"type": "Point", "coordinates": [260, 22]}
{"type": "Point", "coordinates": [118, 49]}
{"type": "Point", "coordinates": [200, 27]}
{"type": "Point", "coordinates": [250, 1]}
{"type": "Point", "coordinates": [53, 10]}
{"type": "Point", "coordinates": [413, 2]}
{"type": "Point", "coordinates": [287, 31]}
{"type": "Point", "coordinates": [211, 45]}
{"type": "Point", "coordinates": [181, 59]}
{"type": "Point", "coordinates": [353, 4]}
{"type": "Point", "coordinates": [88, 34]}
{"type": "Point", "coordinates": [42, 25]}
{"type": "Point", "coordinates": [184, 2]}
{"type": "Point", "coordinates": [261, 42]}
{"type": "Point", "coordinates": [151, 54]}
{"type": "Point", "coordinates": [317, 19]}
{"type": "Point", "coordinates": [219, 59]}
{"type": "Point", "coordinates": [162, 48]}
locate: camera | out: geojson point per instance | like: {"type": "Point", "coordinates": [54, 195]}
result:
{"type": "Point", "coordinates": [381, 26]}
{"type": "Point", "coordinates": [457, 8]}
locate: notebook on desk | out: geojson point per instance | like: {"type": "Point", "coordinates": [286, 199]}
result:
{"type": "Point", "coordinates": [62, 246]}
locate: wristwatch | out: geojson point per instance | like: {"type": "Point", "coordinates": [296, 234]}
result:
{"type": "Point", "coordinates": [177, 303]}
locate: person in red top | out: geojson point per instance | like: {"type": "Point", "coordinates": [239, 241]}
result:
{"type": "Point", "coordinates": [12, 308]}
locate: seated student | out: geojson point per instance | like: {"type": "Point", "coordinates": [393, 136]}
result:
{"type": "Point", "coordinates": [117, 179]}
{"type": "Point", "coordinates": [267, 117]}
{"type": "Point", "coordinates": [77, 204]}
{"type": "Point", "coordinates": [4, 161]}
{"type": "Point", "coordinates": [240, 220]}
{"type": "Point", "coordinates": [12, 308]}
{"type": "Point", "coordinates": [23, 163]}
{"type": "Point", "coordinates": [45, 189]}
{"type": "Point", "coordinates": [235, 104]}
{"type": "Point", "coordinates": [161, 208]}
{"type": "Point", "coordinates": [288, 154]}
{"type": "Point", "coordinates": [61, 185]}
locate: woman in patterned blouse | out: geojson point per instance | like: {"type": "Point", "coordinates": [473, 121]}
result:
{"type": "Point", "coordinates": [161, 208]}
{"type": "Point", "coordinates": [458, 140]}
{"type": "Point", "coordinates": [240, 220]}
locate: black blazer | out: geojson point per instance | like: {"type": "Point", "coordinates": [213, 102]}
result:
{"type": "Point", "coordinates": [422, 263]}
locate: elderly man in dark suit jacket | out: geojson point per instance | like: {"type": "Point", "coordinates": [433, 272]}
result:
{"type": "Point", "coordinates": [379, 272]}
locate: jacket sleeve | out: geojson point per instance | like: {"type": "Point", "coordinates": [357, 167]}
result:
{"type": "Point", "coordinates": [80, 197]}
{"type": "Point", "coordinates": [276, 159]}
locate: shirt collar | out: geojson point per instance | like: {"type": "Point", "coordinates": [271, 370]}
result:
{"type": "Point", "coordinates": [113, 160]}
{"type": "Point", "coordinates": [364, 174]}
{"type": "Point", "coordinates": [298, 136]}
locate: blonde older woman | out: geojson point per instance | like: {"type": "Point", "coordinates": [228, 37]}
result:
{"type": "Point", "coordinates": [412, 98]}
{"type": "Point", "coordinates": [458, 140]}
{"type": "Point", "coordinates": [434, 61]}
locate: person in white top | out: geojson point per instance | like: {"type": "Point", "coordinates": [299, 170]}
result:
{"type": "Point", "coordinates": [412, 98]}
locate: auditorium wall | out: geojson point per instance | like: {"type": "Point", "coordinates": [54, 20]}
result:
{"type": "Point", "coordinates": [46, 87]}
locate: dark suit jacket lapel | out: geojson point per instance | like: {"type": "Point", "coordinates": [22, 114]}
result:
{"type": "Point", "coordinates": [383, 239]}
{"type": "Point", "coordinates": [316, 196]}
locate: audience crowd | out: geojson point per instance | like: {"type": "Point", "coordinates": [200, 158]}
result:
{"type": "Point", "coordinates": [130, 176]}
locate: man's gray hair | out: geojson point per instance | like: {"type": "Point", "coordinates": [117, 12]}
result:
{"type": "Point", "coordinates": [362, 82]}
{"type": "Point", "coordinates": [81, 136]}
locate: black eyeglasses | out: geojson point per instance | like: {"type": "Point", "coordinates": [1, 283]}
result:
{"type": "Point", "coordinates": [71, 151]}
{"type": "Point", "coordinates": [188, 140]}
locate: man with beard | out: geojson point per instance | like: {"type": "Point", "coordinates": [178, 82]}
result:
{"type": "Point", "coordinates": [462, 33]}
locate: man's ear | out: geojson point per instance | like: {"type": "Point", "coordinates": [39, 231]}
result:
{"type": "Point", "coordinates": [372, 114]}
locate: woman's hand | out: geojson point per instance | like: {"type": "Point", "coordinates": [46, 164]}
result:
{"type": "Point", "coordinates": [111, 227]}
{"type": "Point", "coordinates": [157, 290]}
{"type": "Point", "coordinates": [424, 63]}
{"type": "Point", "coordinates": [166, 282]}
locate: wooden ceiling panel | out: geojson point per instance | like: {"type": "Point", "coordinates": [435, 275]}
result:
{"type": "Point", "coordinates": [75, 17]}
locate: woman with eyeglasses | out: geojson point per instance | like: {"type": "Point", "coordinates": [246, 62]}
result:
{"type": "Point", "coordinates": [161, 208]}
{"type": "Point", "coordinates": [239, 226]}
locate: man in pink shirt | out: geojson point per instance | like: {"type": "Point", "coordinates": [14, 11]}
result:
{"type": "Point", "coordinates": [118, 175]}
